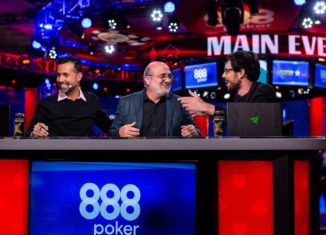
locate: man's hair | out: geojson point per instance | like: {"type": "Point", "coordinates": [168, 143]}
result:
{"type": "Point", "coordinates": [245, 60]}
{"type": "Point", "coordinates": [73, 59]}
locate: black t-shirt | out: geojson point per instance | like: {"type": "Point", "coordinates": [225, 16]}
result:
{"type": "Point", "coordinates": [258, 93]}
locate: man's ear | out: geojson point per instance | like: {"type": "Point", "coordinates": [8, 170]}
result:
{"type": "Point", "coordinates": [242, 73]}
{"type": "Point", "coordinates": [147, 80]}
{"type": "Point", "coordinates": [79, 76]}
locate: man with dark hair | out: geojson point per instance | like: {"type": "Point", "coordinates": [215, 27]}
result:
{"type": "Point", "coordinates": [154, 111]}
{"type": "Point", "coordinates": [240, 74]}
{"type": "Point", "coordinates": [70, 112]}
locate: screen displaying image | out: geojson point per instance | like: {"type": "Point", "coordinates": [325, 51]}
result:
{"type": "Point", "coordinates": [200, 75]}
{"type": "Point", "coordinates": [112, 198]}
{"type": "Point", "coordinates": [291, 73]}
{"type": "Point", "coordinates": [177, 85]}
{"type": "Point", "coordinates": [263, 71]}
{"type": "Point", "coordinates": [320, 76]}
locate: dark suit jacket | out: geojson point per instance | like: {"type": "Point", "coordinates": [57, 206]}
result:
{"type": "Point", "coordinates": [130, 109]}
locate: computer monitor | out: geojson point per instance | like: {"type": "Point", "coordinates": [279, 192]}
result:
{"type": "Point", "coordinates": [177, 85]}
{"type": "Point", "coordinates": [320, 76]}
{"type": "Point", "coordinates": [290, 73]}
{"type": "Point", "coordinates": [200, 75]}
{"type": "Point", "coordinates": [107, 198]}
{"type": "Point", "coordinates": [263, 71]}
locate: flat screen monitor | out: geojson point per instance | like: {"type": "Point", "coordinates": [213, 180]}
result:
{"type": "Point", "coordinates": [112, 198]}
{"type": "Point", "coordinates": [177, 85]}
{"type": "Point", "coordinates": [320, 76]}
{"type": "Point", "coordinates": [200, 75]}
{"type": "Point", "coordinates": [290, 73]}
{"type": "Point", "coordinates": [263, 71]}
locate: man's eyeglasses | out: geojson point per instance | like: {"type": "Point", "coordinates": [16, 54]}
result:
{"type": "Point", "coordinates": [165, 76]}
{"type": "Point", "coordinates": [227, 70]}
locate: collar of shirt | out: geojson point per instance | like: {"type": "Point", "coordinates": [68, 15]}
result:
{"type": "Point", "coordinates": [63, 96]}
{"type": "Point", "coordinates": [146, 99]}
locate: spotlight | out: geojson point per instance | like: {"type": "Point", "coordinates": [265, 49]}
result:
{"type": "Point", "coordinates": [173, 24]}
{"type": "Point", "coordinates": [112, 23]}
{"type": "Point", "coordinates": [48, 26]}
{"type": "Point", "coordinates": [232, 16]}
{"type": "Point", "coordinates": [86, 23]}
{"type": "Point", "coordinates": [157, 15]}
{"type": "Point", "coordinates": [253, 7]}
{"type": "Point", "coordinates": [24, 60]}
{"type": "Point", "coordinates": [95, 86]}
{"type": "Point", "coordinates": [299, 2]}
{"type": "Point", "coordinates": [53, 53]}
{"type": "Point", "coordinates": [320, 7]}
{"type": "Point", "coordinates": [212, 13]}
{"type": "Point", "coordinates": [307, 22]}
{"type": "Point", "coordinates": [36, 44]}
{"type": "Point", "coordinates": [169, 7]}
{"type": "Point", "coordinates": [109, 49]}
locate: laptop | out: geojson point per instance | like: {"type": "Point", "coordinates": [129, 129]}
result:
{"type": "Point", "coordinates": [254, 119]}
{"type": "Point", "coordinates": [4, 120]}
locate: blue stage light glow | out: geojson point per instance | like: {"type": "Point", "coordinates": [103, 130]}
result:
{"type": "Point", "coordinates": [36, 44]}
{"type": "Point", "coordinates": [169, 7]}
{"type": "Point", "coordinates": [95, 86]}
{"type": "Point", "coordinates": [86, 23]}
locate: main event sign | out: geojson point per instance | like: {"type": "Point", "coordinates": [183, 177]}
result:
{"type": "Point", "coordinates": [263, 44]}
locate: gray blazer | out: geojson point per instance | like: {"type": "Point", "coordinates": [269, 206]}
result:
{"type": "Point", "coordinates": [130, 109]}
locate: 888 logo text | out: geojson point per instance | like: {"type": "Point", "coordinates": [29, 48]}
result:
{"type": "Point", "coordinates": [96, 201]}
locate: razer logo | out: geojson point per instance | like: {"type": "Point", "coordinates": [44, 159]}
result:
{"type": "Point", "coordinates": [255, 120]}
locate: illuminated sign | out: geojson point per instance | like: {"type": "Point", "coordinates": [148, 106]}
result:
{"type": "Point", "coordinates": [292, 73]}
{"type": "Point", "coordinates": [297, 45]}
{"type": "Point", "coordinates": [101, 198]}
{"type": "Point", "coordinates": [200, 75]}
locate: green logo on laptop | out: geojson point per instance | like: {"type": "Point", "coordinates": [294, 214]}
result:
{"type": "Point", "coordinates": [255, 120]}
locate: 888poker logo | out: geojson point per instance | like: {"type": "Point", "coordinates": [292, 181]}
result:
{"type": "Point", "coordinates": [113, 205]}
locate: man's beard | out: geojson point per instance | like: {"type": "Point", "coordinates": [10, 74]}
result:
{"type": "Point", "coordinates": [234, 87]}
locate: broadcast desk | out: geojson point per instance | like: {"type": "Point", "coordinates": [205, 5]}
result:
{"type": "Point", "coordinates": [244, 186]}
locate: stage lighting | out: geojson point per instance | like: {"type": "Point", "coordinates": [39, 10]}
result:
{"type": "Point", "coordinates": [95, 86]}
{"type": "Point", "coordinates": [307, 22]}
{"type": "Point", "coordinates": [320, 7]}
{"type": "Point", "coordinates": [173, 24]}
{"type": "Point", "coordinates": [91, 49]}
{"type": "Point", "coordinates": [317, 19]}
{"type": "Point", "coordinates": [232, 16]}
{"type": "Point", "coordinates": [253, 7]}
{"type": "Point", "coordinates": [157, 15]}
{"type": "Point", "coordinates": [112, 23]}
{"type": "Point", "coordinates": [109, 49]}
{"type": "Point", "coordinates": [212, 13]}
{"type": "Point", "coordinates": [169, 7]}
{"type": "Point", "coordinates": [299, 2]}
{"type": "Point", "coordinates": [53, 53]}
{"type": "Point", "coordinates": [86, 23]}
{"type": "Point", "coordinates": [36, 44]}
